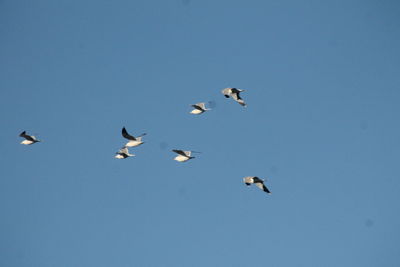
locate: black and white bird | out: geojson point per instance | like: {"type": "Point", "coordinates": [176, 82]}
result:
{"type": "Point", "coordinates": [29, 139]}
{"type": "Point", "coordinates": [133, 141]}
{"type": "Point", "coordinates": [199, 108]}
{"type": "Point", "coordinates": [183, 155]}
{"type": "Point", "coordinates": [248, 180]}
{"type": "Point", "coordinates": [235, 94]}
{"type": "Point", "coordinates": [123, 153]}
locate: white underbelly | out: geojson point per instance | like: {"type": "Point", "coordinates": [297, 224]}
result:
{"type": "Point", "coordinates": [181, 158]}
{"type": "Point", "coordinates": [27, 142]}
{"type": "Point", "coordinates": [133, 143]}
{"type": "Point", "coordinates": [196, 111]}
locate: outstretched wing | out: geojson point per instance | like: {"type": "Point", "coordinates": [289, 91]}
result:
{"type": "Point", "coordinates": [27, 137]}
{"type": "Point", "coordinates": [238, 99]}
{"type": "Point", "coordinates": [180, 152]}
{"type": "Point", "coordinates": [236, 91]}
{"type": "Point", "coordinates": [200, 106]}
{"type": "Point", "coordinates": [262, 186]}
{"type": "Point", "coordinates": [236, 96]}
{"type": "Point", "coordinates": [257, 180]}
{"type": "Point", "coordinates": [187, 153]}
{"type": "Point", "coordinates": [123, 150]}
{"type": "Point", "coordinates": [126, 135]}
{"type": "Point", "coordinates": [196, 106]}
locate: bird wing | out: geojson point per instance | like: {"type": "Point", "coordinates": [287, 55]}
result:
{"type": "Point", "coordinates": [238, 99]}
{"type": "Point", "coordinates": [235, 90]}
{"type": "Point", "coordinates": [180, 152]}
{"type": "Point", "coordinates": [257, 179]}
{"type": "Point", "coordinates": [126, 135]}
{"type": "Point", "coordinates": [187, 153]}
{"type": "Point", "coordinates": [139, 138]}
{"type": "Point", "coordinates": [262, 186]}
{"type": "Point", "coordinates": [196, 106]}
{"type": "Point", "coordinates": [123, 150]}
{"type": "Point", "coordinates": [236, 95]}
{"type": "Point", "coordinates": [241, 102]}
{"type": "Point", "coordinates": [201, 105]}
{"type": "Point", "coordinates": [27, 137]}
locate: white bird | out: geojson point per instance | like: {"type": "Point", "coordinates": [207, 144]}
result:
{"type": "Point", "coordinates": [199, 108]}
{"type": "Point", "coordinates": [235, 94]}
{"type": "Point", "coordinates": [29, 139]}
{"type": "Point", "coordinates": [257, 181]}
{"type": "Point", "coordinates": [123, 153]}
{"type": "Point", "coordinates": [183, 155]}
{"type": "Point", "coordinates": [133, 141]}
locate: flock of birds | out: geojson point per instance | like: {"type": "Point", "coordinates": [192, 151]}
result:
{"type": "Point", "coordinates": [182, 155]}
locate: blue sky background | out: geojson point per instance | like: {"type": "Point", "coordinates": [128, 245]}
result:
{"type": "Point", "coordinates": [322, 125]}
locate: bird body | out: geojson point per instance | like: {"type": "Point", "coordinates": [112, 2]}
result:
{"type": "Point", "coordinates": [248, 180]}
{"type": "Point", "coordinates": [196, 111]}
{"type": "Point", "coordinates": [183, 155]}
{"type": "Point", "coordinates": [29, 139]}
{"type": "Point", "coordinates": [123, 153]}
{"type": "Point", "coordinates": [181, 158]}
{"type": "Point", "coordinates": [199, 108]}
{"type": "Point", "coordinates": [133, 141]}
{"type": "Point", "coordinates": [235, 94]}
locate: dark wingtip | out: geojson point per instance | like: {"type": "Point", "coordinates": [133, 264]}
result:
{"type": "Point", "coordinates": [22, 134]}
{"type": "Point", "coordinates": [124, 132]}
{"type": "Point", "coordinates": [227, 96]}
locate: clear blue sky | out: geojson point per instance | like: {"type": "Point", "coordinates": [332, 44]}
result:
{"type": "Point", "coordinates": [322, 82]}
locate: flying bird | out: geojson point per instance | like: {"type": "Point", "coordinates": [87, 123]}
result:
{"type": "Point", "coordinates": [29, 139]}
{"type": "Point", "coordinates": [183, 155]}
{"type": "Point", "coordinates": [235, 94]}
{"type": "Point", "coordinates": [199, 108]}
{"type": "Point", "coordinates": [257, 181]}
{"type": "Point", "coordinates": [123, 153]}
{"type": "Point", "coordinates": [133, 141]}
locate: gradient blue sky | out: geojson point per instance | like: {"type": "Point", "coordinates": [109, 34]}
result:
{"type": "Point", "coordinates": [322, 84]}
